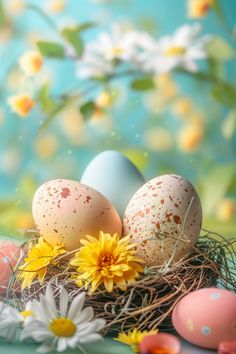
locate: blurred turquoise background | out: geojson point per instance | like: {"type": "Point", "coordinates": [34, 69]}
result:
{"type": "Point", "coordinates": [177, 127]}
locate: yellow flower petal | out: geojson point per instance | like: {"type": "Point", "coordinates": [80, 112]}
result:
{"type": "Point", "coordinates": [36, 264]}
{"type": "Point", "coordinates": [134, 337]}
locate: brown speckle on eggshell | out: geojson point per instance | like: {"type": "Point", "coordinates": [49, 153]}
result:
{"type": "Point", "coordinates": [164, 218]}
{"type": "Point", "coordinates": [65, 211]}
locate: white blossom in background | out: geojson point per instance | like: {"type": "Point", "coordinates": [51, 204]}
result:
{"type": "Point", "coordinates": [92, 65]}
{"type": "Point", "coordinates": [63, 327]}
{"type": "Point", "coordinates": [183, 49]}
{"type": "Point", "coordinates": [142, 52]}
{"type": "Point", "coordinates": [100, 55]}
{"type": "Point", "coordinates": [11, 320]}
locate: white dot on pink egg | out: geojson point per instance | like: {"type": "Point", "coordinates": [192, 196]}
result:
{"type": "Point", "coordinates": [9, 255]}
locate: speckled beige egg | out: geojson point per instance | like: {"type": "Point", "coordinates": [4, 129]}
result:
{"type": "Point", "coordinates": [164, 218]}
{"type": "Point", "coordinates": [66, 211]}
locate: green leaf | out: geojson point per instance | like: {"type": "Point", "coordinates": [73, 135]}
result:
{"type": "Point", "coordinates": [220, 50]}
{"type": "Point", "coordinates": [229, 125]}
{"type": "Point", "coordinates": [215, 186]}
{"type": "Point", "coordinates": [52, 50]}
{"type": "Point", "coordinates": [73, 37]}
{"type": "Point", "coordinates": [218, 10]}
{"type": "Point", "coordinates": [142, 84]}
{"type": "Point", "coordinates": [44, 99]}
{"type": "Point", "coordinates": [225, 94]}
{"type": "Point", "coordinates": [2, 14]}
{"type": "Point", "coordinates": [216, 68]}
{"type": "Point", "coordinates": [85, 26]}
{"type": "Point", "coordinates": [87, 109]}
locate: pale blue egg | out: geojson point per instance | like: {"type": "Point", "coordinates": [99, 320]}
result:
{"type": "Point", "coordinates": [114, 176]}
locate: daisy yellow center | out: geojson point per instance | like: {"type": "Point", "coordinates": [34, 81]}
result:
{"type": "Point", "coordinates": [106, 261]}
{"type": "Point", "coordinates": [116, 51]}
{"type": "Point", "coordinates": [26, 313]}
{"type": "Point", "coordinates": [63, 327]}
{"type": "Point", "coordinates": [175, 51]}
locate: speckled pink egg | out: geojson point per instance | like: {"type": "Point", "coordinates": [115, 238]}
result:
{"type": "Point", "coordinates": [206, 317]}
{"type": "Point", "coordinates": [66, 211]}
{"type": "Point", "coordinates": [164, 218]}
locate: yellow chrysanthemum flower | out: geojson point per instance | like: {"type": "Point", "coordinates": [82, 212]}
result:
{"type": "Point", "coordinates": [21, 104]}
{"type": "Point", "coordinates": [134, 337]}
{"type": "Point", "coordinates": [36, 264]}
{"type": "Point", "coordinates": [107, 260]}
{"type": "Point", "coordinates": [31, 62]}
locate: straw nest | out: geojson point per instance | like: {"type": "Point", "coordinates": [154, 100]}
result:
{"type": "Point", "coordinates": [148, 303]}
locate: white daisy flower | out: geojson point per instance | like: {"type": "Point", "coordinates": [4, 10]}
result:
{"type": "Point", "coordinates": [183, 49]}
{"type": "Point", "coordinates": [100, 55]}
{"type": "Point", "coordinates": [63, 327]}
{"type": "Point", "coordinates": [11, 320]}
{"type": "Point", "coordinates": [92, 65]}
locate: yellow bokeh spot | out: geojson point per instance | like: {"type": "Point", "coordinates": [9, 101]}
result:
{"type": "Point", "coordinates": [14, 79]}
{"type": "Point", "coordinates": [57, 6]}
{"type": "Point", "coordinates": [98, 114]}
{"type": "Point", "coordinates": [5, 33]}
{"type": "Point", "coordinates": [46, 146]}
{"type": "Point", "coordinates": [183, 107]}
{"type": "Point", "coordinates": [31, 62]}
{"type": "Point", "coordinates": [175, 51]}
{"type": "Point", "coordinates": [226, 210]}
{"type": "Point", "coordinates": [21, 104]}
{"type": "Point", "coordinates": [63, 327]}
{"type": "Point", "coordinates": [159, 139]}
{"type": "Point", "coordinates": [190, 137]}
{"type": "Point", "coordinates": [15, 7]}
{"type": "Point", "coordinates": [199, 8]}
{"type": "Point", "coordinates": [104, 99]}
{"type": "Point", "coordinates": [73, 125]}
{"type": "Point", "coordinates": [24, 220]}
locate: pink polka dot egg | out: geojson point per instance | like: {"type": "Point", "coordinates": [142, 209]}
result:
{"type": "Point", "coordinates": [206, 317]}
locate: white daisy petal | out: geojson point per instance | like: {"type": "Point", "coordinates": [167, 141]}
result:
{"type": "Point", "coordinates": [64, 298]}
{"type": "Point", "coordinates": [45, 348]}
{"type": "Point", "coordinates": [47, 308]}
{"type": "Point", "coordinates": [50, 298]}
{"type": "Point", "coordinates": [190, 65]}
{"type": "Point", "coordinates": [85, 316]}
{"type": "Point", "coordinates": [76, 306]}
{"type": "Point", "coordinates": [38, 311]}
{"type": "Point", "coordinates": [100, 323]}
{"type": "Point", "coordinates": [61, 344]}
{"type": "Point", "coordinates": [11, 333]}
{"type": "Point", "coordinates": [91, 338]}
